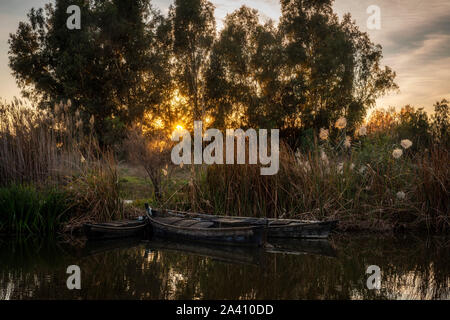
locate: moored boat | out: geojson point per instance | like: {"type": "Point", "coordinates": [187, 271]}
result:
{"type": "Point", "coordinates": [115, 229]}
{"type": "Point", "coordinates": [275, 228]}
{"type": "Point", "coordinates": [168, 225]}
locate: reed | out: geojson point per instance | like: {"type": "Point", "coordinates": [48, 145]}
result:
{"type": "Point", "coordinates": [38, 146]}
{"type": "Point", "coordinates": [54, 150]}
{"type": "Point", "coordinates": [94, 192]}
{"type": "Point", "coordinates": [376, 193]}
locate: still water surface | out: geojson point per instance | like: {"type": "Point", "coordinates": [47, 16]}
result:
{"type": "Point", "coordinates": [411, 268]}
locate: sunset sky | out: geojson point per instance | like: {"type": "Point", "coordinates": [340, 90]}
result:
{"type": "Point", "coordinates": [415, 35]}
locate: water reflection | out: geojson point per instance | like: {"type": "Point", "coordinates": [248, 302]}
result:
{"type": "Point", "coordinates": [411, 269]}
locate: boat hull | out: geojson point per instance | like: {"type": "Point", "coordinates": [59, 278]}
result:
{"type": "Point", "coordinates": [115, 230]}
{"type": "Point", "coordinates": [275, 228]}
{"type": "Point", "coordinates": [242, 236]}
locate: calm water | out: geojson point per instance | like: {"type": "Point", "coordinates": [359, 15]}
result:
{"type": "Point", "coordinates": [411, 268]}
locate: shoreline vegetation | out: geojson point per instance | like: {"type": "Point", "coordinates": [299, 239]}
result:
{"type": "Point", "coordinates": [55, 176]}
{"type": "Point", "coordinates": [106, 98]}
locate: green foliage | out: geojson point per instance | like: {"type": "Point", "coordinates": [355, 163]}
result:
{"type": "Point", "coordinates": [94, 192]}
{"type": "Point", "coordinates": [414, 125]}
{"type": "Point", "coordinates": [303, 73]}
{"type": "Point", "coordinates": [115, 65]}
{"type": "Point", "coordinates": [128, 60]}
{"type": "Point", "coordinates": [441, 123]}
{"type": "Point", "coordinates": [26, 210]}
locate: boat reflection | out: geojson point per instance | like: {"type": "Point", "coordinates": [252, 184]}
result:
{"type": "Point", "coordinates": [320, 247]}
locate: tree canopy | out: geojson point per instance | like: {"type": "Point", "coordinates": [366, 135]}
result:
{"type": "Point", "coordinates": [128, 62]}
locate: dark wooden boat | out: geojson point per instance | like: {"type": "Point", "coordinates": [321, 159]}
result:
{"type": "Point", "coordinates": [168, 225]}
{"type": "Point", "coordinates": [115, 229]}
{"type": "Point", "coordinates": [275, 228]}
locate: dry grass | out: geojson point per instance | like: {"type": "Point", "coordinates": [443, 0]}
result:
{"type": "Point", "coordinates": [364, 196]}
{"type": "Point", "coordinates": [151, 152]}
{"type": "Point", "coordinates": [37, 146]}
{"type": "Point", "coordinates": [94, 192]}
{"type": "Point", "coordinates": [58, 149]}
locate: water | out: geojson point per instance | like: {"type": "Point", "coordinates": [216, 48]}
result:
{"type": "Point", "coordinates": [411, 268]}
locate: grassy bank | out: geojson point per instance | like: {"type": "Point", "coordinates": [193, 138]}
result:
{"type": "Point", "coordinates": [53, 173]}
{"type": "Point", "coordinates": [375, 179]}
{"type": "Point", "coordinates": [55, 177]}
{"type": "Point", "coordinates": [376, 194]}
{"type": "Point", "coordinates": [27, 210]}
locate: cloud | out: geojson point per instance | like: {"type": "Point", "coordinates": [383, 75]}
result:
{"type": "Point", "coordinates": [422, 72]}
{"type": "Point", "coordinates": [415, 36]}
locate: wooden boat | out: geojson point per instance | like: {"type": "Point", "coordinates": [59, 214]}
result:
{"type": "Point", "coordinates": [276, 228]}
{"type": "Point", "coordinates": [203, 230]}
{"type": "Point", "coordinates": [115, 229]}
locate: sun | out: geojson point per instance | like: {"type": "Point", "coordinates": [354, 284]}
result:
{"type": "Point", "coordinates": [179, 127]}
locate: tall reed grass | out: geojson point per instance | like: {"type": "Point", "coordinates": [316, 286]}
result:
{"type": "Point", "coordinates": [54, 149]}
{"type": "Point", "coordinates": [377, 192]}
{"type": "Point", "coordinates": [94, 192]}
{"type": "Point", "coordinates": [38, 146]}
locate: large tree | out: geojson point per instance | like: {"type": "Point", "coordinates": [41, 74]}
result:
{"type": "Point", "coordinates": [194, 30]}
{"type": "Point", "coordinates": [338, 65]}
{"type": "Point", "coordinates": [243, 85]}
{"type": "Point", "coordinates": [114, 67]}
{"type": "Point", "coordinates": [305, 73]}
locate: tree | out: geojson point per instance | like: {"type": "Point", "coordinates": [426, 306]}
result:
{"type": "Point", "coordinates": [194, 32]}
{"type": "Point", "coordinates": [112, 68]}
{"type": "Point", "coordinates": [413, 124]}
{"type": "Point", "coordinates": [243, 88]}
{"type": "Point", "coordinates": [338, 65]}
{"type": "Point", "coordinates": [302, 74]}
{"type": "Point", "coordinates": [441, 122]}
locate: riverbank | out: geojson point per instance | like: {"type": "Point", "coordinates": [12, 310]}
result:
{"type": "Point", "coordinates": [55, 175]}
{"type": "Point", "coordinates": [39, 211]}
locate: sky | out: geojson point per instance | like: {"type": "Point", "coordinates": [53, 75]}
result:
{"type": "Point", "coordinates": [414, 34]}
